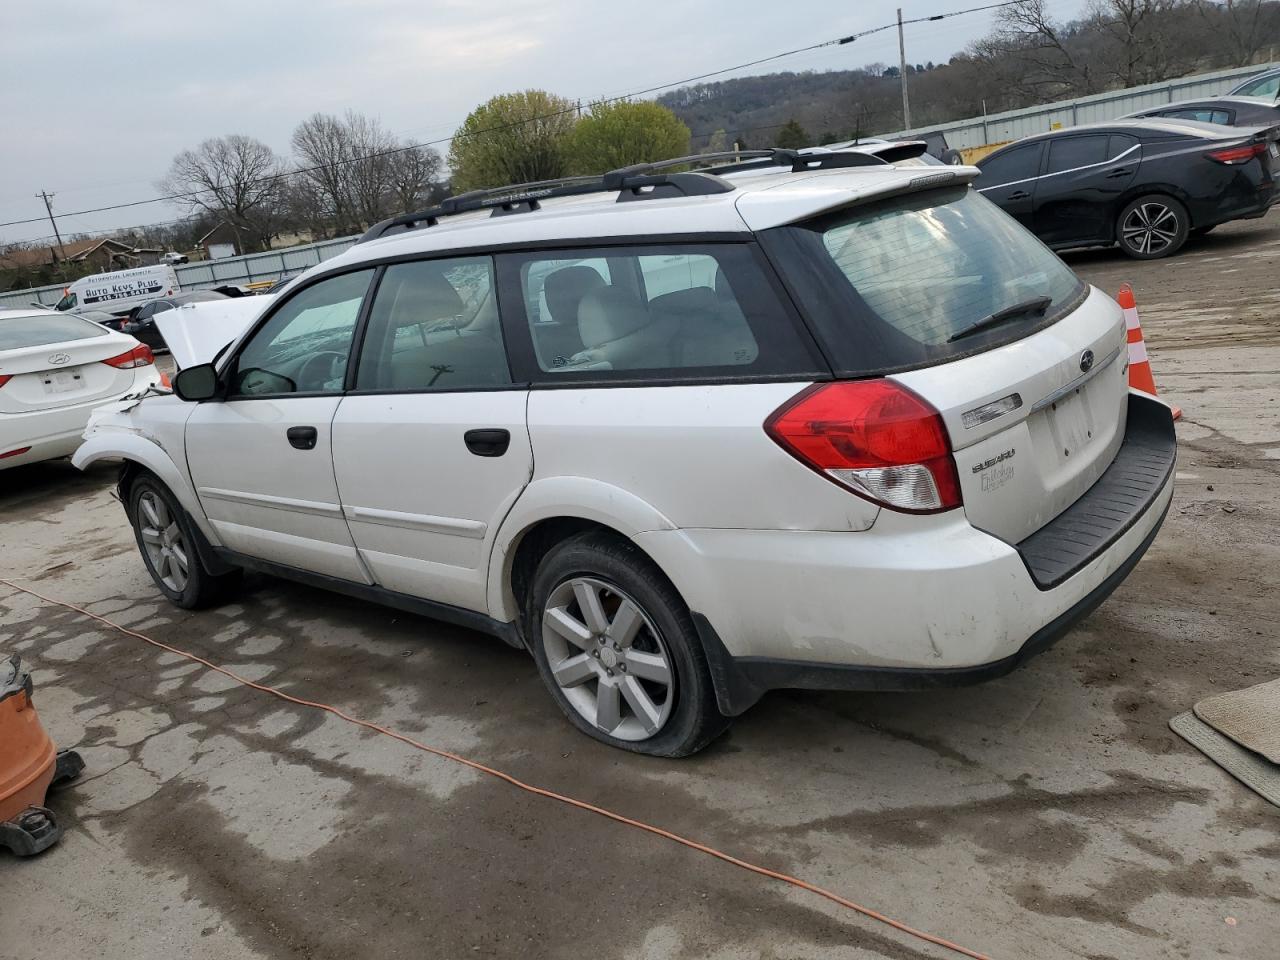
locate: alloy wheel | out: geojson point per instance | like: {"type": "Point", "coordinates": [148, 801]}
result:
{"type": "Point", "coordinates": [608, 658]}
{"type": "Point", "coordinates": [1150, 228]}
{"type": "Point", "coordinates": [163, 540]}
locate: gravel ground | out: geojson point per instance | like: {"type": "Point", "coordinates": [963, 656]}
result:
{"type": "Point", "coordinates": [1050, 814]}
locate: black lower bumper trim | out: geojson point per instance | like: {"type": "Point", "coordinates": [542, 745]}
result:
{"type": "Point", "coordinates": [741, 681]}
{"type": "Point", "coordinates": [1125, 492]}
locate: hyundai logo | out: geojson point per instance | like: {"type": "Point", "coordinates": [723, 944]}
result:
{"type": "Point", "coordinates": [60, 358]}
{"type": "Point", "coordinates": [1086, 361]}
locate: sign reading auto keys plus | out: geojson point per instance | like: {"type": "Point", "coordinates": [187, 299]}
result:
{"type": "Point", "coordinates": [125, 285]}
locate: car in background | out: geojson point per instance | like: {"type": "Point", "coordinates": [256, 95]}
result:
{"type": "Point", "coordinates": [119, 291]}
{"type": "Point", "coordinates": [1228, 111]}
{"type": "Point", "coordinates": [174, 259]}
{"type": "Point", "coordinates": [1145, 185]}
{"type": "Point", "coordinates": [56, 369]}
{"type": "Point", "coordinates": [112, 321]}
{"type": "Point", "coordinates": [142, 324]}
{"type": "Point", "coordinates": [1266, 84]}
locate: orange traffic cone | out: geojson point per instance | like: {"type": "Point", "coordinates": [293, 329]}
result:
{"type": "Point", "coordinates": [1140, 377]}
{"type": "Point", "coordinates": [164, 381]}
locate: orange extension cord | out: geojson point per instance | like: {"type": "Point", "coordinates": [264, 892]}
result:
{"type": "Point", "coordinates": [529, 788]}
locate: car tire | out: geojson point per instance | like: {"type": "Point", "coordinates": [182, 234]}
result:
{"type": "Point", "coordinates": [166, 539]}
{"type": "Point", "coordinates": [617, 648]}
{"type": "Point", "coordinates": [1152, 226]}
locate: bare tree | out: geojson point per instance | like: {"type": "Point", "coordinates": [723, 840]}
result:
{"type": "Point", "coordinates": [359, 170]}
{"type": "Point", "coordinates": [1241, 23]}
{"type": "Point", "coordinates": [234, 178]}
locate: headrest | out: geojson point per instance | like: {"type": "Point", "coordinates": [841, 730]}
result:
{"type": "Point", "coordinates": [565, 288]}
{"type": "Point", "coordinates": [609, 314]}
{"type": "Point", "coordinates": [426, 296]}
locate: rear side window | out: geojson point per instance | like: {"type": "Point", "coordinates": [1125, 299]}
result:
{"type": "Point", "coordinates": [657, 313]}
{"type": "Point", "coordinates": [1265, 87]}
{"type": "Point", "coordinates": [39, 330]}
{"type": "Point", "coordinates": [434, 326]}
{"type": "Point", "coordinates": [1204, 115]}
{"type": "Point", "coordinates": [898, 283]}
{"type": "Point", "coordinates": [1071, 153]}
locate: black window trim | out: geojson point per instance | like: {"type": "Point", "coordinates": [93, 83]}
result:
{"type": "Point", "coordinates": [1041, 160]}
{"type": "Point", "coordinates": [518, 334]}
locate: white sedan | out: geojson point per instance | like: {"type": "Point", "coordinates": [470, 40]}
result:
{"type": "Point", "coordinates": [55, 369]}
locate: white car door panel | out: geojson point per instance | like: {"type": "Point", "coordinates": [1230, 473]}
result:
{"type": "Point", "coordinates": [262, 459]}
{"type": "Point", "coordinates": [432, 448]}
{"type": "Point", "coordinates": [422, 508]}
{"type": "Point", "coordinates": [243, 464]}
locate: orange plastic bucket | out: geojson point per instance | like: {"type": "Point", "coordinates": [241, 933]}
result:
{"type": "Point", "coordinates": [27, 755]}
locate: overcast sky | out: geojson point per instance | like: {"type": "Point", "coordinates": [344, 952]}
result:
{"type": "Point", "coordinates": [99, 97]}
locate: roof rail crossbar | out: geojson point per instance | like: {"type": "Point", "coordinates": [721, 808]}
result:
{"type": "Point", "coordinates": [800, 162]}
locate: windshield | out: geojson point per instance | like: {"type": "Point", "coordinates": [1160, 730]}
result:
{"type": "Point", "coordinates": [39, 330]}
{"type": "Point", "coordinates": [912, 273]}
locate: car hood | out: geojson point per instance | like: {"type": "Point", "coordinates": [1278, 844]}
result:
{"type": "Point", "coordinates": [195, 332]}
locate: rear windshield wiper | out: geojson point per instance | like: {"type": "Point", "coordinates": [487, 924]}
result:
{"type": "Point", "coordinates": [1034, 305]}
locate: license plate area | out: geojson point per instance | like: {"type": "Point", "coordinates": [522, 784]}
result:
{"type": "Point", "coordinates": [1070, 423]}
{"type": "Point", "coordinates": [61, 381]}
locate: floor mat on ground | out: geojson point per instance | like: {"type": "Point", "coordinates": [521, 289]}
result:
{"type": "Point", "coordinates": [1253, 770]}
{"type": "Point", "coordinates": [1250, 717]}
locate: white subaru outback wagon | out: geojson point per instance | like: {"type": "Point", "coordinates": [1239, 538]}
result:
{"type": "Point", "coordinates": [826, 421]}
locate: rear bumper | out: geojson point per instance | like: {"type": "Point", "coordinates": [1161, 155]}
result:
{"type": "Point", "coordinates": [914, 603]}
{"type": "Point", "coordinates": [58, 432]}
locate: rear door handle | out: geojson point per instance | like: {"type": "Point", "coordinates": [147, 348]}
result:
{"type": "Point", "coordinates": [304, 438]}
{"type": "Point", "coordinates": [1020, 195]}
{"type": "Point", "coordinates": [490, 442]}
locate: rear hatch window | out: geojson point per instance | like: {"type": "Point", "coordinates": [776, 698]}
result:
{"type": "Point", "coordinates": [921, 279]}
{"type": "Point", "coordinates": [38, 330]}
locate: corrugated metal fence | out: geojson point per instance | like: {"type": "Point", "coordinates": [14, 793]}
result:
{"type": "Point", "coordinates": [961, 134]}
{"type": "Point", "coordinates": [1015, 124]}
{"type": "Point", "coordinates": [271, 265]}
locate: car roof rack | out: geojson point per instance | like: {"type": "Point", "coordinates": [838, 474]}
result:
{"type": "Point", "coordinates": [641, 181]}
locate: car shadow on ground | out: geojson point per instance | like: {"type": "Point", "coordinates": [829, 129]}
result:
{"type": "Point", "coordinates": [23, 486]}
{"type": "Point", "coordinates": [1210, 243]}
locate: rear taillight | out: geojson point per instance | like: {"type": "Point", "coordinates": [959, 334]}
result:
{"type": "Point", "coordinates": [5, 378]}
{"type": "Point", "coordinates": [1235, 155]}
{"type": "Point", "coordinates": [876, 438]}
{"type": "Point", "coordinates": [139, 356]}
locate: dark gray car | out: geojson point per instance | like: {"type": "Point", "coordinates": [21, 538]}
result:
{"type": "Point", "coordinates": [1228, 111]}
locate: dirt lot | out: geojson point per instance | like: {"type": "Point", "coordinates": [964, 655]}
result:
{"type": "Point", "coordinates": [1050, 814]}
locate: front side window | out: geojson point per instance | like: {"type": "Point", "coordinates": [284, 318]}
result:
{"type": "Point", "coordinates": [922, 278]}
{"type": "Point", "coordinates": [304, 345]}
{"type": "Point", "coordinates": [658, 312]}
{"type": "Point", "coordinates": [434, 326]}
{"type": "Point", "coordinates": [67, 303]}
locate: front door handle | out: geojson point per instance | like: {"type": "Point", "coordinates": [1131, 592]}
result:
{"type": "Point", "coordinates": [304, 438]}
{"type": "Point", "coordinates": [1020, 195]}
{"type": "Point", "coordinates": [492, 442]}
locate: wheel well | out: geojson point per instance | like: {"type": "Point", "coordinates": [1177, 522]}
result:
{"type": "Point", "coordinates": [538, 541]}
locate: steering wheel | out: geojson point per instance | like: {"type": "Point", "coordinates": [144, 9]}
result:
{"type": "Point", "coordinates": [320, 368]}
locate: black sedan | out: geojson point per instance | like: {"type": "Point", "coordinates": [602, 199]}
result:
{"type": "Point", "coordinates": [1144, 184]}
{"type": "Point", "coordinates": [1229, 111]}
{"type": "Point", "coordinates": [142, 324]}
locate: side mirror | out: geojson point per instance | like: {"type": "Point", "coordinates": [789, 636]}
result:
{"type": "Point", "coordinates": [194, 384]}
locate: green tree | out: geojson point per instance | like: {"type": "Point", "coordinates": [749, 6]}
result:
{"type": "Point", "coordinates": [792, 136]}
{"type": "Point", "coordinates": [512, 138]}
{"type": "Point", "coordinates": [619, 134]}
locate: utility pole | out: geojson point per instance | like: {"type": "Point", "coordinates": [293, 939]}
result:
{"type": "Point", "coordinates": [47, 197]}
{"type": "Point", "coordinates": [902, 74]}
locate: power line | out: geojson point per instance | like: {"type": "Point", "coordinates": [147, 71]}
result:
{"type": "Point", "coordinates": [838, 41]}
